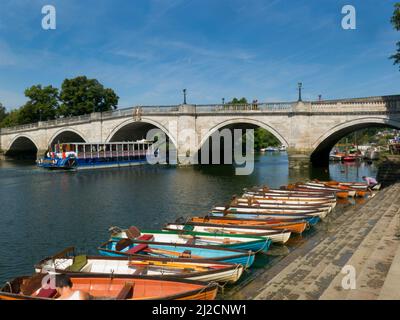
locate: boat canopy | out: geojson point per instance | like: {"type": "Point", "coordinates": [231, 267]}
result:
{"type": "Point", "coordinates": [106, 150]}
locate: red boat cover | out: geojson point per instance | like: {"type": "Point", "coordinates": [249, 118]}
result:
{"type": "Point", "coordinates": [47, 293]}
{"type": "Point", "coordinates": [137, 248]}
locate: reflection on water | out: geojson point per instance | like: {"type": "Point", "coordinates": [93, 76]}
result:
{"type": "Point", "coordinates": [44, 212]}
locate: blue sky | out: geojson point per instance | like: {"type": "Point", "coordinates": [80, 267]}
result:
{"type": "Point", "coordinates": [148, 51]}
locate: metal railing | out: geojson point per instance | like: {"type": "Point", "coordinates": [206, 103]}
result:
{"type": "Point", "coordinates": [357, 104]}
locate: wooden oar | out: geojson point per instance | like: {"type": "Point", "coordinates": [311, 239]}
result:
{"type": "Point", "coordinates": [168, 252]}
{"type": "Point", "coordinates": [224, 240]}
{"type": "Point", "coordinates": [168, 265]}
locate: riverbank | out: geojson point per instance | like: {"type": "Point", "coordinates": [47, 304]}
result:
{"type": "Point", "coordinates": [365, 237]}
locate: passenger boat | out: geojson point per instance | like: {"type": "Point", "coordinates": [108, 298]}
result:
{"type": "Point", "coordinates": [191, 269]}
{"type": "Point", "coordinates": [295, 226]}
{"type": "Point", "coordinates": [128, 248]}
{"type": "Point", "coordinates": [281, 236]}
{"type": "Point", "coordinates": [70, 156]}
{"type": "Point", "coordinates": [241, 242]}
{"type": "Point", "coordinates": [104, 287]}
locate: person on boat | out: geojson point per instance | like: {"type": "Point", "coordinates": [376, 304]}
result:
{"type": "Point", "coordinates": [371, 182]}
{"type": "Point", "coordinates": [65, 291]}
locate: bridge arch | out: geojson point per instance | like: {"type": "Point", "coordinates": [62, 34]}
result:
{"type": "Point", "coordinates": [324, 144]}
{"type": "Point", "coordinates": [238, 121]}
{"type": "Point", "coordinates": [66, 135]}
{"type": "Point", "coordinates": [137, 130]}
{"type": "Point", "coordinates": [22, 146]}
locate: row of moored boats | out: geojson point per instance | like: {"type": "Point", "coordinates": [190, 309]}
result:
{"type": "Point", "coordinates": [190, 257]}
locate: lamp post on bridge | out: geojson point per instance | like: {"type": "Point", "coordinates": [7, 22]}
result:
{"type": "Point", "coordinates": [184, 96]}
{"type": "Point", "coordinates": [300, 86]}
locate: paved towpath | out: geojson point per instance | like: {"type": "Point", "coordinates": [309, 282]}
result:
{"type": "Point", "coordinates": [365, 240]}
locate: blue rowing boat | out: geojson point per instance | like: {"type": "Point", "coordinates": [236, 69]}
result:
{"type": "Point", "coordinates": [128, 248]}
{"type": "Point", "coordinates": [229, 241]}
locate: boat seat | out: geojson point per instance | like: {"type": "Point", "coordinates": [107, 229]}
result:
{"type": "Point", "coordinates": [126, 292]}
{"type": "Point", "coordinates": [146, 237]}
{"type": "Point", "coordinates": [137, 248]}
{"type": "Point", "coordinates": [191, 241]}
{"type": "Point", "coordinates": [122, 244]}
{"type": "Point", "coordinates": [140, 271]}
{"type": "Point", "coordinates": [46, 293]}
{"type": "Point", "coordinates": [186, 254]}
{"type": "Point", "coordinates": [133, 232]}
{"type": "Point", "coordinates": [78, 263]}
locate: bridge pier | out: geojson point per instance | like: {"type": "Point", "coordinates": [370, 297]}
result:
{"type": "Point", "coordinates": [298, 160]}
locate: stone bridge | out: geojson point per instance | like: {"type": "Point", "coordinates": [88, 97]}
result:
{"type": "Point", "coordinates": [309, 130]}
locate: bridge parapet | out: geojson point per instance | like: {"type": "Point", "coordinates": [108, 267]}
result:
{"type": "Point", "coordinates": [371, 104]}
{"type": "Point", "coordinates": [260, 107]}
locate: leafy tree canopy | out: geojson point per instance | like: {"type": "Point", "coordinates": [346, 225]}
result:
{"type": "Point", "coordinates": [3, 113]}
{"type": "Point", "coordinates": [238, 101]}
{"type": "Point", "coordinates": [396, 24]}
{"type": "Point", "coordinates": [41, 106]}
{"type": "Point", "coordinates": [12, 119]}
{"type": "Point", "coordinates": [82, 96]}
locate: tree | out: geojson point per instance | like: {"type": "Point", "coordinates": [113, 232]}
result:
{"type": "Point", "coordinates": [396, 24]}
{"type": "Point", "coordinates": [12, 119]}
{"type": "Point", "coordinates": [238, 101]}
{"type": "Point", "coordinates": [3, 113]}
{"type": "Point", "coordinates": [41, 106]}
{"type": "Point", "coordinates": [82, 96]}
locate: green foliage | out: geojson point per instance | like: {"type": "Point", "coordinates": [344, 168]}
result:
{"type": "Point", "coordinates": [3, 113]}
{"type": "Point", "coordinates": [396, 25]}
{"type": "Point", "coordinates": [82, 96]}
{"type": "Point", "coordinates": [41, 106]}
{"type": "Point", "coordinates": [366, 136]}
{"type": "Point", "coordinates": [396, 16]}
{"type": "Point", "coordinates": [78, 96]}
{"type": "Point", "coordinates": [12, 119]}
{"type": "Point", "coordinates": [263, 139]}
{"type": "Point", "coordinates": [238, 101]}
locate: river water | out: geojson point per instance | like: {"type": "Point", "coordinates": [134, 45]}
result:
{"type": "Point", "coordinates": [44, 212]}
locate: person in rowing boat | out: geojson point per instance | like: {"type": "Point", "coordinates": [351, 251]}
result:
{"type": "Point", "coordinates": [65, 291]}
{"type": "Point", "coordinates": [371, 182]}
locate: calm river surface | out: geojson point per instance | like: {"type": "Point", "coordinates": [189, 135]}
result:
{"type": "Point", "coordinates": [44, 212]}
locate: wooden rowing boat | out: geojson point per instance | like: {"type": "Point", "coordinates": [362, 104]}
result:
{"type": "Point", "coordinates": [117, 287]}
{"type": "Point", "coordinates": [255, 210]}
{"type": "Point", "coordinates": [290, 190]}
{"type": "Point", "coordinates": [342, 191]}
{"type": "Point", "coordinates": [295, 226]}
{"type": "Point", "coordinates": [311, 220]}
{"type": "Point", "coordinates": [229, 241]}
{"type": "Point", "coordinates": [290, 196]}
{"type": "Point", "coordinates": [132, 248]}
{"type": "Point", "coordinates": [266, 203]}
{"type": "Point", "coordinates": [201, 270]}
{"type": "Point", "coordinates": [281, 236]}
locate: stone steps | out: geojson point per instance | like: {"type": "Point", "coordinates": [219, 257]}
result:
{"type": "Point", "coordinates": [328, 262]}
{"type": "Point", "coordinates": [308, 276]}
{"type": "Point", "coordinates": [390, 289]}
{"type": "Point", "coordinates": [372, 276]}
{"type": "Point", "coordinates": [360, 258]}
